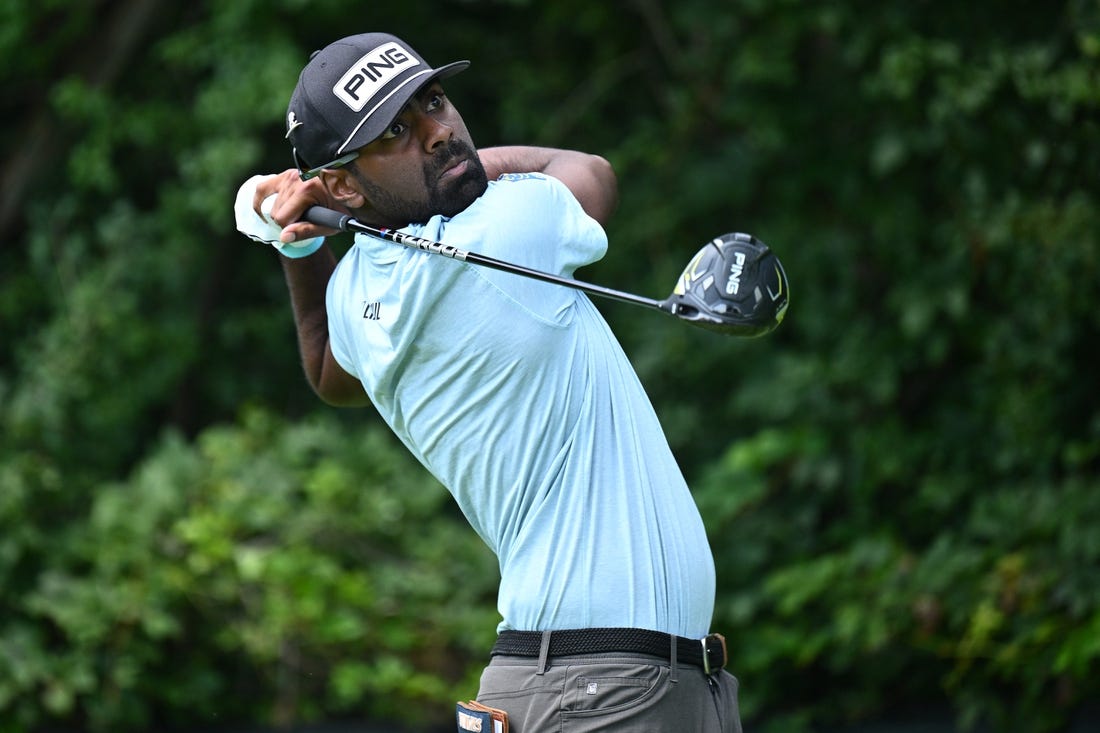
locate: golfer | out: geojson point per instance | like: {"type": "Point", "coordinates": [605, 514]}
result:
{"type": "Point", "coordinates": [513, 393]}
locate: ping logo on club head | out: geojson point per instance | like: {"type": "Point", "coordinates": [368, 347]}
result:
{"type": "Point", "coordinates": [736, 268]}
{"type": "Point", "coordinates": [369, 74]}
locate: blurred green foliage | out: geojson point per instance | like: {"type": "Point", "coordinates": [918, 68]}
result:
{"type": "Point", "coordinates": [900, 484]}
{"type": "Point", "coordinates": [265, 570]}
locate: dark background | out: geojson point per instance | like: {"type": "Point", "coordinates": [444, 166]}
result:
{"type": "Point", "coordinates": [900, 484]}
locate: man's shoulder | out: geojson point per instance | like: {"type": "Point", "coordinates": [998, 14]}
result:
{"type": "Point", "coordinates": [533, 200]}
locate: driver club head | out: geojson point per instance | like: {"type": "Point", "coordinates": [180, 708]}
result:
{"type": "Point", "coordinates": [734, 285]}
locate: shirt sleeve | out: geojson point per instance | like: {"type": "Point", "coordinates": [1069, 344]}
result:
{"type": "Point", "coordinates": [338, 337]}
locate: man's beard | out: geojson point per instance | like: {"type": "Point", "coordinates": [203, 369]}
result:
{"type": "Point", "coordinates": [446, 199]}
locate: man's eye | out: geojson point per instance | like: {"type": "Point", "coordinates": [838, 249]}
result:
{"type": "Point", "coordinates": [436, 101]}
{"type": "Point", "coordinates": [393, 130]}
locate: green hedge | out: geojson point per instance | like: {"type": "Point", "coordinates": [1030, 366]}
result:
{"type": "Point", "coordinates": [267, 571]}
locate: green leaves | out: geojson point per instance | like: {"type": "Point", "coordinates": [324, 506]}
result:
{"type": "Point", "coordinates": [284, 545]}
{"type": "Point", "coordinates": [898, 483]}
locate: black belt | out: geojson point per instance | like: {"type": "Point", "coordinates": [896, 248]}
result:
{"type": "Point", "coordinates": [708, 652]}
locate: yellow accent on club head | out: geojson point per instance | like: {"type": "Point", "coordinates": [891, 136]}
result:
{"type": "Point", "coordinates": [689, 275]}
{"type": "Point", "coordinates": [787, 304]}
{"type": "Point", "coordinates": [779, 277]}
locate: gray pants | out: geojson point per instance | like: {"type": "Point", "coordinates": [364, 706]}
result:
{"type": "Point", "coordinates": [610, 693]}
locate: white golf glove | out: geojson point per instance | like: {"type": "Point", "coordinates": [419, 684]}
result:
{"type": "Point", "coordinates": [263, 228]}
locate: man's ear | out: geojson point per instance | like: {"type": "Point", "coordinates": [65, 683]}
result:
{"type": "Point", "coordinates": [343, 187]}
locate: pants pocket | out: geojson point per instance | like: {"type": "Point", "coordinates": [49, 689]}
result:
{"type": "Point", "coordinates": [614, 698]}
{"type": "Point", "coordinates": [596, 689]}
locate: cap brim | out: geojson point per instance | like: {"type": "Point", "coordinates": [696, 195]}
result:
{"type": "Point", "coordinates": [378, 118]}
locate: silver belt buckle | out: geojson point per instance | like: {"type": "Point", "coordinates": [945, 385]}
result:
{"type": "Point", "coordinates": [707, 642]}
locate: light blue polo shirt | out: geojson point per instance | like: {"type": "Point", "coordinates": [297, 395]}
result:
{"type": "Point", "coordinates": [518, 398]}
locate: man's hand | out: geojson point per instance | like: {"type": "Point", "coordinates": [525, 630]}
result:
{"type": "Point", "coordinates": [293, 197]}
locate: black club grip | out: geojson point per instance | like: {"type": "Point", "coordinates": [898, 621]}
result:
{"type": "Point", "coordinates": [323, 217]}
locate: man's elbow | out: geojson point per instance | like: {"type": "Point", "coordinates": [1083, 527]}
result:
{"type": "Point", "coordinates": [337, 388]}
{"type": "Point", "coordinates": [342, 397]}
{"type": "Point", "coordinates": [605, 194]}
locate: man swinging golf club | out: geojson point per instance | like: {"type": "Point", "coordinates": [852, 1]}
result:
{"type": "Point", "coordinates": [513, 392]}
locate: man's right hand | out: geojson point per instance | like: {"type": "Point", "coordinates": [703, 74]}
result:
{"type": "Point", "coordinates": [294, 196]}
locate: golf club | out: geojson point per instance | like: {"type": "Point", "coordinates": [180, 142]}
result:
{"type": "Point", "coordinates": [734, 285]}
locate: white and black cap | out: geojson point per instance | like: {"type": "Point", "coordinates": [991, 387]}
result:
{"type": "Point", "coordinates": [349, 93]}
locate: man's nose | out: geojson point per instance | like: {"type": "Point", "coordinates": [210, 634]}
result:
{"type": "Point", "coordinates": [434, 132]}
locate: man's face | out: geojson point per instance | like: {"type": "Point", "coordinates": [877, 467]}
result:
{"type": "Point", "coordinates": [424, 164]}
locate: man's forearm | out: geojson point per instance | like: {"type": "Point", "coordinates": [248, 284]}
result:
{"type": "Point", "coordinates": [307, 280]}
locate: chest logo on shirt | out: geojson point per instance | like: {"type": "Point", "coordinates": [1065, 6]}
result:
{"type": "Point", "coordinates": [372, 311]}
